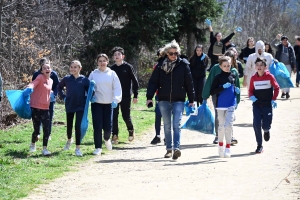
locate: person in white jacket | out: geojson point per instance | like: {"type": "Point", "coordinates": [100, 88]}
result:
{"type": "Point", "coordinates": [108, 93]}
{"type": "Point", "coordinates": [249, 69]}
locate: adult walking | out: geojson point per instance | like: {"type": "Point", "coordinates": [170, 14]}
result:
{"type": "Point", "coordinates": [297, 54]}
{"type": "Point", "coordinates": [173, 80]}
{"type": "Point", "coordinates": [249, 49]}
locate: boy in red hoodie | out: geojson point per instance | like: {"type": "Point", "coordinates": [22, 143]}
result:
{"type": "Point", "coordinates": [263, 91]}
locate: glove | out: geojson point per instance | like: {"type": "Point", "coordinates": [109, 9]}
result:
{"type": "Point", "coordinates": [93, 99]}
{"type": "Point", "coordinates": [204, 101]}
{"type": "Point", "coordinates": [226, 85]}
{"type": "Point", "coordinates": [274, 104]}
{"type": "Point", "coordinates": [207, 22]}
{"type": "Point", "coordinates": [253, 98]}
{"type": "Point", "coordinates": [52, 97]}
{"type": "Point", "coordinates": [237, 90]}
{"type": "Point", "coordinates": [203, 56]}
{"type": "Point", "coordinates": [239, 29]}
{"type": "Point", "coordinates": [114, 104]}
{"type": "Point", "coordinates": [27, 91]}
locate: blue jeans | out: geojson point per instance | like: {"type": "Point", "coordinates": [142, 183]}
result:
{"type": "Point", "coordinates": [157, 117]}
{"type": "Point", "coordinates": [167, 109]}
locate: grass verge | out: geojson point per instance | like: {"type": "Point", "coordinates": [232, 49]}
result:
{"type": "Point", "coordinates": [21, 171]}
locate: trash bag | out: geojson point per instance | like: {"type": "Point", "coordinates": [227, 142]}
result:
{"type": "Point", "coordinates": [190, 110]}
{"type": "Point", "coordinates": [204, 122]}
{"type": "Point", "coordinates": [85, 122]}
{"type": "Point", "coordinates": [281, 75]}
{"type": "Point", "coordinates": [19, 103]}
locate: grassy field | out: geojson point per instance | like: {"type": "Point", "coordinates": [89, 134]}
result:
{"type": "Point", "coordinates": [20, 171]}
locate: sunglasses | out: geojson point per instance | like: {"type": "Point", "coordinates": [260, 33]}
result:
{"type": "Point", "coordinates": [173, 53]}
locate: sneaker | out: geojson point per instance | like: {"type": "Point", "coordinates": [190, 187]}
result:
{"type": "Point", "coordinates": [176, 154]}
{"type": "Point", "coordinates": [168, 154]}
{"type": "Point", "coordinates": [78, 152]}
{"type": "Point", "coordinates": [131, 136]}
{"type": "Point", "coordinates": [287, 95]}
{"type": "Point", "coordinates": [37, 138]}
{"type": "Point", "coordinates": [282, 95]}
{"type": "Point", "coordinates": [216, 141]}
{"type": "Point", "coordinates": [115, 139]}
{"type": "Point", "coordinates": [221, 151]}
{"type": "Point", "coordinates": [32, 148]}
{"type": "Point", "coordinates": [233, 141]}
{"type": "Point", "coordinates": [45, 152]}
{"type": "Point", "coordinates": [227, 153]}
{"type": "Point", "coordinates": [259, 149]}
{"type": "Point", "coordinates": [297, 84]}
{"type": "Point", "coordinates": [68, 145]}
{"type": "Point", "coordinates": [155, 140]}
{"type": "Point", "coordinates": [97, 151]}
{"type": "Point", "coordinates": [108, 144]}
{"type": "Point", "coordinates": [267, 136]}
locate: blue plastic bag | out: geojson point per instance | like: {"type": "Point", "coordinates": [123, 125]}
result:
{"type": "Point", "coordinates": [188, 109]}
{"type": "Point", "coordinates": [203, 122]}
{"type": "Point", "coordinates": [19, 103]}
{"type": "Point", "coordinates": [85, 122]}
{"type": "Point", "coordinates": [281, 75]}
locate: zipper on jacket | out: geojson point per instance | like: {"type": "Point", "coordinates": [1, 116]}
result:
{"type": "Point", "coordinates": [171, 86]}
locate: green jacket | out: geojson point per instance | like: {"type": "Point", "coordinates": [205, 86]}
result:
{"type": "Point", "coordinates": [215, 70]}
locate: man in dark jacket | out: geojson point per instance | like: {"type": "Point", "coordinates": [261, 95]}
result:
{"type": "Point", "coordinates": [173, 80]}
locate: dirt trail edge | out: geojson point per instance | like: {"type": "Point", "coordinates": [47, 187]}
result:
{"type": "Point", "coordinates": [139, 171]}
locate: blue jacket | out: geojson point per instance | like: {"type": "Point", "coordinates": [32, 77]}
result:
{"type": "Point", "coordinates": [76, 90]}
{"type": "Point", "coordinates": [53, 76]}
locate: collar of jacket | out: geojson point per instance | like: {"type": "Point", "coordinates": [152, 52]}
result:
{"type": "Point", "coordinates": [179, 60]}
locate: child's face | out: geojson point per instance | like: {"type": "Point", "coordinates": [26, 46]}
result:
{"type": "Point", "coordinates": [199, 51]}
{"type": "Point", "coordinates": [74, 69]}
{"type": "Point", "coordinates": [46, 70]}
{"type": "Point", "coordinates": [267, 48]}
{"type": "Point", "coordinates": [260, 67]}
{"type": "Point", "coordinates": [225, 66]}
{"type": "Point", "coordinates": [118, 56]}
{"type": "Point", "coordinates": [102, 62]}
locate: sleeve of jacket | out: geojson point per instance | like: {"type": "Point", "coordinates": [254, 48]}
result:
{"type": "Point", "coordinates": [209, 80]}
{"type": "Point", "coordinates": [248, 66]}
{"type": "Point", "coordinates": [55, 79]}
{"type": "Point", "coordinates": [293, 57]}
{"type": "Point", "coordinates": [225, 40]}
{"type": "Point", "coordinates": [188, 82]}
{"type": "Point", "coordinates": [153, 83]}
{"type": "Point", "coordinates": [117, 89]}
{"type": "Point", "coordinates": [251, 87]}
{"type": "Point", "coordinates": [237, 84]}
{"type": "Point", "coordinates": [274, 45]}
{"type": "Point", "coordinates": [212, 38]}
{"type": "Point", "coordinates": [60, 88]}
{"type": "Point", "coordinates": [1, 85]}
{"type": "Point", "coordinates": [205, 61]}
{"type": "Point", "coordinates": [215, 87]}
{"type": "Point", "coordinates": [135, 84]}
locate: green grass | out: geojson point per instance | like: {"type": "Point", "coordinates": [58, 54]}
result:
{"type": "Point", "coordinates": [20, 171]}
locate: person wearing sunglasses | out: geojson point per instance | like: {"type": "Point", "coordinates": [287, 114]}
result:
{"type": "Point", "coordinates": [173, 80]}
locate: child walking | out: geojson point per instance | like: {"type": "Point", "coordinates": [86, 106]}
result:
{"type": "Point", "coordinates": [39, 103]}
{"type": "Point", "coordinates": [77, 86]}
{"type": "Point", "coordinates": [224, 87]}
{"type": "Point", "coordinates": [263, 91]}
{"type": "Point", "coordinates": [108, 93]}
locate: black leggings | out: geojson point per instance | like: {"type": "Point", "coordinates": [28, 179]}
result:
{"type": "Point", "coordinates": [40, 116]}
{"type": "Point", "coordinates": [198, 86]}
{"type": "Point", "coordinates": [70, 118]}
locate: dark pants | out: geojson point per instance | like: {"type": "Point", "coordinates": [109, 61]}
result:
{"type": "Point", "coordinates": [157, 117]}
{"type": "Point", "coordinates": [40, 117]}
{"type": "Point", "coordinates": [262, 119]}
{"type": "Point", "coordinates": [214, 60]}
{"type": "Point", "coordinates": [198, 87]}
{"type": "Point", "coordinates": [70, 118]}
{"type": "Point", "coordinates": [298, 73]}
{"type": "Point", "coordinates": [125, 109]}
{"type": "Point", "coordinates": [51, 112]}
{"type": "Point", "coordinates": [102, 118]}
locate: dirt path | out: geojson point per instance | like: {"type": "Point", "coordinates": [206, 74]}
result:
{"type": "Point", "coordinates": [139, 171]}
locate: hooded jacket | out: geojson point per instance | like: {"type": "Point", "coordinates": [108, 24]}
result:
{"type": "Point", "coordinates": [173, 86]}
{"type": "Point", "coordinates": [108, 87]}
{"type": "Point", "coordinates": [249, 69]}
{"type": "Point", "coordinates": [279, 48]}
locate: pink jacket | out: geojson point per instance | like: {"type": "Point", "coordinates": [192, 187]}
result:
{"type": "Point", "coordinates": [40, 98]}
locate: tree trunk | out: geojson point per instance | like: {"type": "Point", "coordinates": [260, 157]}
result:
{"type": "Point", "coordinates": [191, 43]}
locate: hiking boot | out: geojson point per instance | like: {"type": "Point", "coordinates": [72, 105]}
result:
{"type": "Point", "coordinates": [259, 149]}
{"type": "Point", "coordinates": [108, 144]}
{"type": "Point", "coordinates": [282, 95]}
{"type": "Point", "coordinates": [287, 95]}
{"type": "Point", "coordinates": [131, 135]}
{"type": "Point", "coordinates": [221, 151]}
{"type": "Point", "coordinates": [227, 153]}
{"type": "Point", "coordinates": [216, 140]}
{"type": "Point", "coordinates": [115, 139]}
{"type": "Point", "coordinates": [168, 154]}
{"type": "Point", "coordinates": [97, 151]}
{"type": "Point", "coordinates": [45, 152]}
{"type": "Point", "coordinates": [233, 141]}
{"type": "Point", "coordinates": [155, 140]}
{"type": "Point", "coordinates": [78, 152]}
{"type": "Point", "coordinates": [176, 154]}
{"type": "Point", "coordinates": [267, 136]}
{"type": "Point", "coordinates": [32, 148]}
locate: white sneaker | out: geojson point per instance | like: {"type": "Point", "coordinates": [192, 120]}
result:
{"type": "Point", "coordinates": [221, 151]}
{"type": "Point", "coordinates": [32, 148]}
{"type": "Point", "coordinates": [45, 152]}
{"type": "Point", "coordinates": [108, 144]}
{"type": "Point", "coordinates": [97, 151]}
{"type": "Point", "coordinates": [68, 145]}
{"type": "Point", "coordinates": [78, 152]}
{"type": "Point", "coordinates": [227, 153]}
